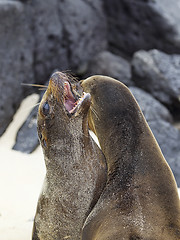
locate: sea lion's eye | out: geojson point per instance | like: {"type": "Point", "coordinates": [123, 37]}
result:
{"type": "Point", "coordinates": [40, 136]}
{"type": "Point", "coordinates": [46, 108]}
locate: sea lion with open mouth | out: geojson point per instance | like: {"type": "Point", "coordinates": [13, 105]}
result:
{"type": "Point", "coordinates": [76, 170]}
{"type": "Point", "coordinates": [140, 200]}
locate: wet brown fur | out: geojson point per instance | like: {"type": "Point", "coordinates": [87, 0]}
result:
{"type": "Point", "coordinates": [75, 168]}
{"type": "Point", "coordinates": [140, 200]}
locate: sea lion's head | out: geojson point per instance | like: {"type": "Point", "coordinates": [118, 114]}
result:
{"type": "Point", "coordinates": [109, 99]}
{"type": "Point", "coordinates": [114, 113]}
{"type": "Point", "coordinates": [62, 113]}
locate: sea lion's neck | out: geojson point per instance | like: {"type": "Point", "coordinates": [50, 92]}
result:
{"type": "Point", "coordinates": [136, 158]}
{"type": "Point", "coordinates": [63, 154]}
{"type": "Point", "coordinates": [126, 153]}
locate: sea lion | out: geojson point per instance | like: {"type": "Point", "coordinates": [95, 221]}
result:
{"type": "Point", "coordinates": [75, 166]}
{"type": "Point", "coordinates": [140, 200]}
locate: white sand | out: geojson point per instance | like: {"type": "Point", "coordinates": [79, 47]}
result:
{"type": "Point", "coordinates": [21, 178]}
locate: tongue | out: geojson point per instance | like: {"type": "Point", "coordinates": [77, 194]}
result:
{"type": "Point", "coordinates": [69, 104]}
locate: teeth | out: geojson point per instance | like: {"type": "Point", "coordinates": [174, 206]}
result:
{"type": "Point", "coordinates": [77, 103]}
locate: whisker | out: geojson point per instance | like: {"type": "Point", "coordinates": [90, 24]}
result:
{"type": "Point", "coordinates": [76, 93]}
{"type": "Point", "coordinates": [31, 107]}
{"type": "Point", "coordinates": [94, 111]}
{"type": "Point", "coordinates": [70, 76]}
{"type": "Point", "coordinates": [34, 85]}
{"type": "Point", "coordinates": [42, 89]}
{"type": "Point", "coordinates": [37, 104]}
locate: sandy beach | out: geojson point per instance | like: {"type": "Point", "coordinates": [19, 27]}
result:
{"type": "Point", "coordinates": [21, 178]}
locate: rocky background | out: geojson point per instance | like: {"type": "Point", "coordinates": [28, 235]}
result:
{"type": "Point", "coordinates": [134, 41]}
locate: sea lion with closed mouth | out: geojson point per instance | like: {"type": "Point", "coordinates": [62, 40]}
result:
{"type": "Point", "coordinates": [75, 166]}
{"type": "Point", "coordinates": [140, 200]}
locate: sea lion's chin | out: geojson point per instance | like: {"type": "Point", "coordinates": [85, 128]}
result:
{"type": "Point", "coordinates": [75, 105]}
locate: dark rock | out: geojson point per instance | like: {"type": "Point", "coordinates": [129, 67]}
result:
{"type": "Point", "coordinates": [143, 24]}
{"type": "Point", "coordinates": [27, 138]}
{"type": "Point", "coordinates": [152, 109]}
{"type": "Point", "coordinates": [84, 26]}
{"type": "Point", "coordinates": [16, 47]}
{"type": "Point", "coordinates": [106, 63]}
{"type": "Point", "coordinates": [67, 34]}
{"type": "Point", "coordinates": [158, 73]}
{"type": "Point", "coordinates": [49, 50]}
{"type": "Point", "coordinates": [168, 138]}
{"type": "Point", "coordinates": [160, 122]}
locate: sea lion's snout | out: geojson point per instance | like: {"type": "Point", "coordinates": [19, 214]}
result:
{"type": "Point", "coordinates": [62, 89]}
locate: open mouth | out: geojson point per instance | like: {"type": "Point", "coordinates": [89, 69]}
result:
{"type": "Point", "coordinates": [73, 102]}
